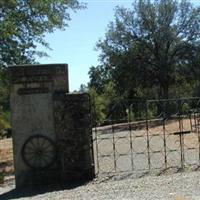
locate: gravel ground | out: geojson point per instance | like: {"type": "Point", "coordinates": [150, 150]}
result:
{"type": "Point", "coordinates": [179, 186]}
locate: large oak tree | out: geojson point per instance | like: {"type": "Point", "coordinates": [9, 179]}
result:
{"type": "Point", "coordinates": [150, 45]}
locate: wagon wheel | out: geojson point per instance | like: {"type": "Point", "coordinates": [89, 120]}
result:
{"type": "Point", "coordinates": [39, 152]}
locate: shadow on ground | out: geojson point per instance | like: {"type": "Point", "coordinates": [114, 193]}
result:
{"type": "Point", "coordinates": [30, 191]}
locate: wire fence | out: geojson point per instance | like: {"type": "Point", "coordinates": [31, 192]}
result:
{"type": "Point", "coordinates": [149, 135]}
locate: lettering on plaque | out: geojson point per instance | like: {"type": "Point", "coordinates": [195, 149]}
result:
{"type": "Point", "coordinates": [27, 91]}
{"type": "Point", "coordinates": [31, 79]}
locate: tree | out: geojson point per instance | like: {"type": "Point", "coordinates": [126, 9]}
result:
{"type": "Point", "coordinates": [83, 88]}
{"type": "Point", "coordinates": [101, 103]}
{"type": "Point", "coordinates": [192, 73]}
{"type": "Point", "coordinates": [150, 45]}
{"type": "Point", "coordinates": [99, 76]}
{"type": "Point", "coordinates": [23, 24]}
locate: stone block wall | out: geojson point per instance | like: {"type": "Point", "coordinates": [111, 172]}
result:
{"type": "Point", "coordinates": [41, 105]}
{"type": "Point", "coordinates": [74, 137]}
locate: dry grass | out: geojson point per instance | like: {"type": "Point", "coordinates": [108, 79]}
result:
{"type": "Point", "coordinates": [6, 156]}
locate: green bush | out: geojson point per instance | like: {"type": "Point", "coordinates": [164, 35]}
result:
{"type": "Point", "coordinates": [4, 125]}
{"type": "Point", "coordinates": [1, 178]}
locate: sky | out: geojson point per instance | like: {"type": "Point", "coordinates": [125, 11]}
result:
{"type": "Point", "coordinates": [76, 45]}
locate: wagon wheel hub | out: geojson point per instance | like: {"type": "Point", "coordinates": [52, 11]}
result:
{"type": "Point", "coordinates": [39, 152]}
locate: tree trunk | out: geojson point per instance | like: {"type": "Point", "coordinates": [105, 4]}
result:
{"type": "Point", "coordinates": [165, 93]}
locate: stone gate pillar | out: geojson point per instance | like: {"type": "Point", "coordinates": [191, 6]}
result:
{"type": "Point", "coordinates": [74, 135]}
{"type": "Point", "coordinates": [45, 150]}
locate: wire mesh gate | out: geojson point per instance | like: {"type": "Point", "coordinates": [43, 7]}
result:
{"type": "Point", "coordinates": [149, 135]}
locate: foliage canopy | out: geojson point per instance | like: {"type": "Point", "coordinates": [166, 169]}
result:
{"type": "Point", "coordinates": [150, 48]}
{"type": "Point", "coordinates": [23, 24]}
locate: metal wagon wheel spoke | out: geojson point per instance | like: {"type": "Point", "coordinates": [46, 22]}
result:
{"type": "Point", "coordinates": [39, 152]}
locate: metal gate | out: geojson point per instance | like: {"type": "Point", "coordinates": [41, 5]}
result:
{"type": "Point", "coordinates": [148, 135]}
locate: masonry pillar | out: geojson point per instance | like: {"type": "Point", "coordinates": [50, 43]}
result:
{"type": "Point", "coordinates": [45, 150]}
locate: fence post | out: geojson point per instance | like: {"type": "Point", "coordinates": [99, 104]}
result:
{"type": "Point", "coordinates": [147, 131]}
